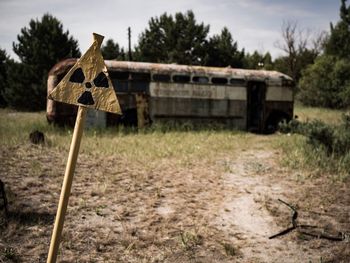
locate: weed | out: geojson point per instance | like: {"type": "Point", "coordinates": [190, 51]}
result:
{"type": "Point", "coordinates": [10, 253]}
{"type": "Point", "coordinates": [328, 116]}
{"type": "Point", "coordinates": [35, 168]}
{"type": "Point", "coordinates": [229, 249]}
{"type": "Point", "coordinates": [100, 210]}
{"type": "Point", "coordinates": [121, 174]}
{"type": "Point", "coordinates": [190, 240]}
{"type": "Point", "coordinates": [324, 147]}
{"type": "Point", "coordinates": [147, 146]}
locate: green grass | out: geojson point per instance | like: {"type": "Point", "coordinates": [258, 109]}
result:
{"type": "Point", "coordinates": [10, 254]}
{"type": "Point", "coordinates": [307, 162]}
{"type": "Point", "coordinates": [144, 146]}
{"type": "Point", "coordinates": [311, 161]}
{"type": "Point", "coordinates": [140, 155]}
{"type": "Point", "coordinates": [163, 143]}
{"type": "Point", "coordinates": [329, 116]}
{"type": "Point", "coordinates": [16, 126]}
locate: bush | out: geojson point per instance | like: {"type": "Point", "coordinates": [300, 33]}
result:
{"type": "Point", "coordinates": [320, 134]}
{"type": "Point", "coordinates": [292, 126]}
{"type": "Point", "coordinates": [341, 143]}
{"type": "Point", "coordinates": [326, 83]}
{"type": "Point", "coordinates": [334, 140]}
{"type": "Point", "coordinates": [326, 148]}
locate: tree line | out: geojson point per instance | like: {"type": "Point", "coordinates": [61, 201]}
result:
{"type": "Point", "coordinates": [319, 63]}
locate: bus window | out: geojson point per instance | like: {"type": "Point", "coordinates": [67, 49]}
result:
{"type": "Point", "coordinates": [119, 75]}
{"type": "Point", "coordinates": [181, 78]}
{"type": "Point", "coordinates": [141, 76]}
{"type": "Point", "coordinates": [161, 77]}
{"type": "Point", "coordinates": [237, 82]}
{"type": "Point", "coordinates": [287, 83]}
{"type": "Point", "coordinates": [200, 79]}
{"type": "Point", "coordinates": [216, 80]}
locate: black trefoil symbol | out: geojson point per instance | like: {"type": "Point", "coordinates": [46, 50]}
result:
{"type": "Point", "coordinates": [100, 81]}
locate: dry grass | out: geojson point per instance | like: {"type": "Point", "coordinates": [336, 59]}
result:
{"type": "Point", "coordinates": [152, 196]}
{"type": "Point", "coordinates": [310, 161]}
{"type": "Point", "coordinates": [329, 116]}
{"type": "Point", "coordinates": [145, 145]}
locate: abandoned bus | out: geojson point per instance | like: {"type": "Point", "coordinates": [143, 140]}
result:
{"type": "Point", "coordinates": [253, 100]}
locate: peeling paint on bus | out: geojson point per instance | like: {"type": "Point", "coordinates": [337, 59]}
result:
{"type": "Point", "coordinates": [253, 100]}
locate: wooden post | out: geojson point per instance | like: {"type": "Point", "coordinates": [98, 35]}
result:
{"type": "Point", "coordinates": [67, 184]}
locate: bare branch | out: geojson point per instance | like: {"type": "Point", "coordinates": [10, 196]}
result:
{"type": "Point", "coordinates": [288, 34]}
{"type": "Point", "coordinates": [318, 41]}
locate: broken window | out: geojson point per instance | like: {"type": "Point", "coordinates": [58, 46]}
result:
{"type": "Point", "coordinates": [141, 76]}
{"type": "Point", "coordinates": [216, 80]}
{"type": "Point", "coordinates": [119, 75]}
{"type": "Point", "coordinates": [161, 77]}
{"type": "Point", "coordinates": [200, 79]}
{"type": "Point", "coordinates": [237, 82]}
{"type": "Point", "coordinates": [287, 83]}
{"type": "Point", "coordinates": [181, 78]}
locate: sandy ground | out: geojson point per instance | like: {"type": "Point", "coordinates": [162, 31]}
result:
{"type": "Point", "coordinates": [221, 211]}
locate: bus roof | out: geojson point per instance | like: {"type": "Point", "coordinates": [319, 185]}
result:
{"type": "Point", "coordinates": [142, 67]}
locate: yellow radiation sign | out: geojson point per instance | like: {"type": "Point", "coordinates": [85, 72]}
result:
{"type": "Point", "coordinates": [87, 83]}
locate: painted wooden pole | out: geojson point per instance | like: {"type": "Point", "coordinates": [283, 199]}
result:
{"type": "Point", "coordinates": [87, 83]}
{"type": "Point", "coordinates": [67, 184]}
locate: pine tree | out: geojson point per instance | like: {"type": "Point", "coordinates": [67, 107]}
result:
{"type": "Point", "coordinates": [179, 39]}
{"type": "Point", "coordinates": [326, 83]}
{"type": "Point", "coordinates": [222, 51]}
{"type": "Point", "coordinates": [153, 43]}
{"type": "Point", "coordinates": [3, 76]}
{"type": "Point", "coordinates": [111, 50]}
{"type": "Point", "coordinates": [339, 40]}
{"type": "Point", "coordinates": [39, 47]}
{"type": "Point", "coordinates": [258, 61]}
{"type": "Point", "coordinates": [26, 90]}
{"type": "Point", "coordinates": [190, 39]}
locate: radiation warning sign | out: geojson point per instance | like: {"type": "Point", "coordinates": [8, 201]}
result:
{"type": "Point", "coordinates": [87, 83]}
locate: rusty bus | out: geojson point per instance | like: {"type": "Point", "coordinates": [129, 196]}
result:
{"type": "Point", "coordinates": [253, 100]}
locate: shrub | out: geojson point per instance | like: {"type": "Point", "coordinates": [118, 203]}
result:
{"type": "Point", "coordinates": [292, 126]}
{"type": "Point", "coordinates": [325, 148]}
{"type": "Point", "coordinates": [326, 83]}
{"type": "Point", "coordinates": [334, 140]}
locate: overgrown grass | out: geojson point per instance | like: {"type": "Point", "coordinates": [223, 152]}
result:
{"type": "Point", "coordinates": [329, 116]}
{"type": "Point", "coordinates": [16, 126]}
{"type": "Point", "coordinates": [317, 143]}
{"type": "Point", "coordinates": [180, 143]}
{"type": "Point", "coordinates": [147, 145]}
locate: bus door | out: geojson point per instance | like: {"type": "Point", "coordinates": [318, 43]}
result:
{"type": "Point", "coordinates": [256, 93]}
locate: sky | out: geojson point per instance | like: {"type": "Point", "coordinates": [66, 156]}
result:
{"type": "Point", "coordinates": [254, 24]}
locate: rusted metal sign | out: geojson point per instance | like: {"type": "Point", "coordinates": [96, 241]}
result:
{"type": "Point", "coordinates": [87, 83]}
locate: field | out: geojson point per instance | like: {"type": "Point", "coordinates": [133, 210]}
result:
{"type": "Point", "coordinates": [170, 195]}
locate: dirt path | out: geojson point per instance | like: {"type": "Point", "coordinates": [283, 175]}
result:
{"type": "Point", "coordinates": [244, 215]}
{"type": "Point", "coordinates": [163, 212]}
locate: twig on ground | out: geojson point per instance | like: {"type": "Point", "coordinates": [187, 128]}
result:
{"type": "Point", "coordinates": [340, 237]}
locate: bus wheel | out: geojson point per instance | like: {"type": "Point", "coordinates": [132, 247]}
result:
{"type": "Point", "coordinates": [273, 121]}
